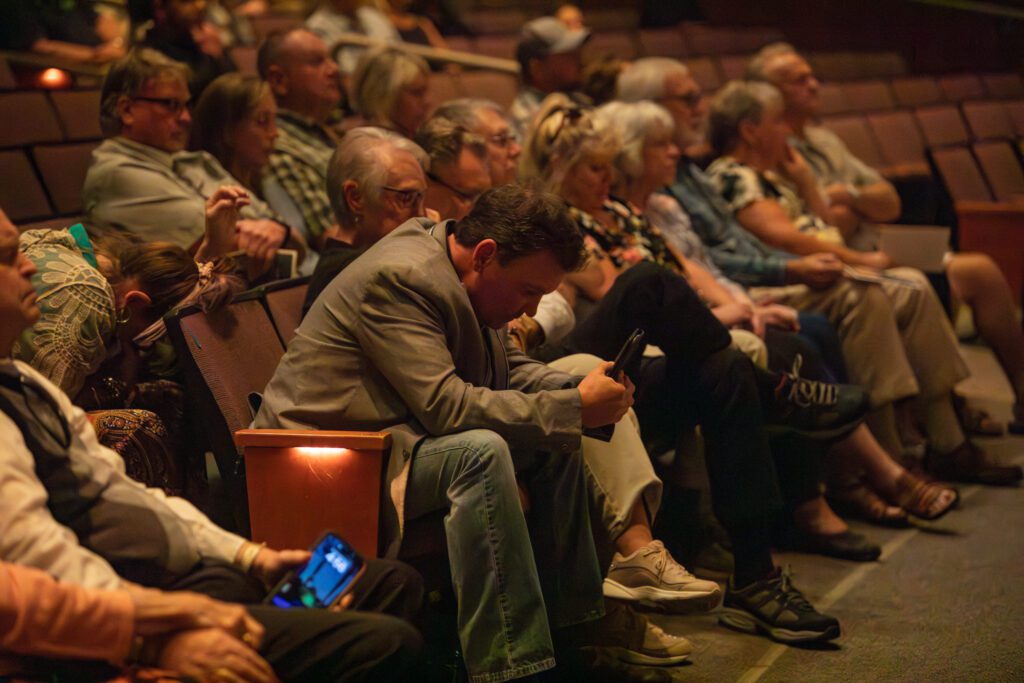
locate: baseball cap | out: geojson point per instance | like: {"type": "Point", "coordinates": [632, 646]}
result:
{"type": "Point", "coordinates": [549, 36]}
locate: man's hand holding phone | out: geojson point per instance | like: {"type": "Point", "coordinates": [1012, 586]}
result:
{"type": "Point", "coordinates": [604, 400]}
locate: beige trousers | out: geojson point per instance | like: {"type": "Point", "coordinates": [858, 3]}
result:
{"type": "Point", "coordinates": [619, 472]}
{"type": "Point", "coordinates": [897, 340]}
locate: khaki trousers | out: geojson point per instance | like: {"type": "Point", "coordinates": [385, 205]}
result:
{"type": "Point", "coordinates": [896, 338]}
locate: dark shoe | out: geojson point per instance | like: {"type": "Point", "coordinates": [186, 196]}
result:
{"type": "Point", "coordinates": [631, 639]}
{"type": "Point", "coordinates": [848, 545]}
{"type": "Point", "coordinates": [775, 608]}
{"type": "Point", "coordinates": [968, 463]}
{"type": "Point", "coordinates": [818, 410]}
{"type": "Point", "coordinates": [714, 562]}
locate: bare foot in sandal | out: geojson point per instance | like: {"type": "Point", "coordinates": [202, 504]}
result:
{"type": "Point", "coordinates": [924, 500]}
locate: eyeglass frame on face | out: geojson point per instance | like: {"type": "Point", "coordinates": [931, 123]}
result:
{"type": "Point", "coordinates": [173, 106]}
{"type": "Point", "coordinates": [689, 100]}
{"type": "Point", "coordinates": [406, 198]}
{"type": "Point", "coordinates": [464, 196]}
{"type": "Point", "coordinates": [502, 140]}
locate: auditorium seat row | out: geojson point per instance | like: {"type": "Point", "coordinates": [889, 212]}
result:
{"type": "Point", "coordinates": [45, 145]}
{"type": "Point", "coordinates": [917, 91]}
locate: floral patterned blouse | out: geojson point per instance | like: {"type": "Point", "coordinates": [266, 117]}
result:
{"type": "Point", "coordinates": [631, 231]}
{"type": "Point", "coordinates": [75, 333]}
{"type": "Point", "coordinates": [740, 186]}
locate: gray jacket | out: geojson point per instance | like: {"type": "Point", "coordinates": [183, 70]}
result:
{"type": "Point", "coordinates": [393, 344]}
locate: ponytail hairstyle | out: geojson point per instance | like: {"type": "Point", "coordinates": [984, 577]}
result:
{"type": "Point", "coordinates": [171, 278]}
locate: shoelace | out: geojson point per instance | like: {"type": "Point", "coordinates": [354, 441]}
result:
{"type": "Point", "coordinates": [792, 598]}
{"type": "Point", "coordinates": [806, 392]}
{"type": "Point", "coordinates": [666, 564]}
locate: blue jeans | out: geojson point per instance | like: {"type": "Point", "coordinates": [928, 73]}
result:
{"type": "Point", "coordinates": [504, 602]}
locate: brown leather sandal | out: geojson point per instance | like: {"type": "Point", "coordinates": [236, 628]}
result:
{"type": "Point", "coordinates": [861, 502]}
{"type": "Point", "coordinates": [919, 498]}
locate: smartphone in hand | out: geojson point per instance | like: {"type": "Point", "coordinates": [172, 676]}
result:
{"type": "Point", "coordinates": [324, 580]}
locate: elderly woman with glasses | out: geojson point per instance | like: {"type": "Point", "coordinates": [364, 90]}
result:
{"type": "Point", "coordinates": [699, 380]}
{"type": "Point", "coordinates": [646, 162]}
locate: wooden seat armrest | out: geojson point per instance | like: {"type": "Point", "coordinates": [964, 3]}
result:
{"type": "Point", "coordinates": [312, 438]}
{"type": "Point", "coordinates": [1011, 210]}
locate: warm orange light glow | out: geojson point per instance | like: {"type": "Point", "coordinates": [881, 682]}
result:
{"type": "Point", "coordinates": [319, 452]}
{"type": "Point", "coordinates": [54, 78]}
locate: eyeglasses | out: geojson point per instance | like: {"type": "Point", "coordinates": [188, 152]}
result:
{"type": "Point", "coordinates": [501, 139]}
{"type": "Point", "coordinates": [690, 99]}
{"type": "Point", "coordinates": [406, 198]}
{"type": "Point", "coordinates": [461, 194]}
{"type": "Point", "coordinates": [174, 107]}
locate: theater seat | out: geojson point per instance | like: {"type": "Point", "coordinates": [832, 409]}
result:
{"type": "Point", "coordinates": [900, 142]}
{"type": "Point", "coordinates": [27, 118]}
{"type": "Point", "coordinates": [1015, 110]}
{"type": "Point", "coordinates": [497, 46]}
{"type": "Point", "coordinates": [915, 91]}
{"type": "Point", "coordinates": [21, 195]}
{"type": "Point", "coordinates": [663, 42]}
{"type": "Point", "coordinates": [983, 225]}
{"type": "Point", "coordinates": [63, 168]}
{"type": "Point", "coordinates": [1003, 86]}
{"type": "Point", "coordinates": [961, 87]}
{"type": "Point", "coordinates": [615, 43]}
{"type": "Point", "coordinates": [942, 125]}
{"type": "Point", "coordinates": [443, 87]}
{"type": "Point", "coordinates": [492, 85]}
{"type": "Point", "coordinates": [854, 131]}
{"type": "Point", "coordinates": [283, 301]}
{"type": "Point", "coordinates": [733, 67]}
{"type": "Point", "coordinates": [79, 113]}
{"type": "Point", "coordinates": [868, 96]}
{"type": "Point", "coordinates": [987, 120]}
{"type": "Point", "coordinates": [705, 72]}
{"type": "Point", "coordinates": [832, 99]}
{"type": "Point", "coordinates": [298, 482]}
{"type": "Point", "coordinates": [1001, 166]}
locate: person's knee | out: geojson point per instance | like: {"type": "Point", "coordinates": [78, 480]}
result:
{"type": "Point", "coordinates": [972, 273]}
{"type": "Point", "coordinates": [486, 452]}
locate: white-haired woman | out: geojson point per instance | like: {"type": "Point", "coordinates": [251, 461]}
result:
{"type": "Point", "coordinates": [646, 163]}
{"type": "Point", "coordinates": [390, 90]}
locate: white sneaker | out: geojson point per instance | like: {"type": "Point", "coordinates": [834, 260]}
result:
{"type": "Point", "coordinates": [651, 578]}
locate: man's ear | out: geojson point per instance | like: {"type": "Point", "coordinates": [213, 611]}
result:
{"type": "Point", "coordinates": [354, 196]}
{"type": "Point", "coordinates": [278, 80]}
{"type": "Point", "coordinates": [485, 252]}
{"type": "Point", "coordinates": [123, 108]}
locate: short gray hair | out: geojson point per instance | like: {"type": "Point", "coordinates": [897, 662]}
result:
{"type": "Point", "coordinates": [645, 78]}
{"type": "Point", "coordinates": [443, 140]}
{"type": "Point", "coordinates": [757, 67]}
{"type": "Point", "coordinates": [379, 76]}
{"type": "Point", "coordinates": [634, 124]}
{"type": "Point", "coordinates": [128, 75]}
{"type": "Point", "coordinates": [735, 104]}
{"type": "Point", "coordinates": [465, 111]}
{"type": "Point", "coordinates": [362, 157]}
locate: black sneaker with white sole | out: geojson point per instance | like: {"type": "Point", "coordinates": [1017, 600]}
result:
{"type": "Point", "coordinates": [776, 609]}
{"type": "Point", "coordinates": [817, 410]}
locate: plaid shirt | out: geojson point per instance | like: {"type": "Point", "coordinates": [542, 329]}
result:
{"type": "Point", "coordinates": [299, 165]}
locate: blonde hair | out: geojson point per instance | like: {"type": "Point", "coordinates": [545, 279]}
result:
{"type": "Point", "coordinates": [561, 135]}
{"type": "Point", "coordinates": [379, 77]}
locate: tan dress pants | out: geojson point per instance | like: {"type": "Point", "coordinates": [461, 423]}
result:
{"type": "Point", "coordinates": [897, 340]}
